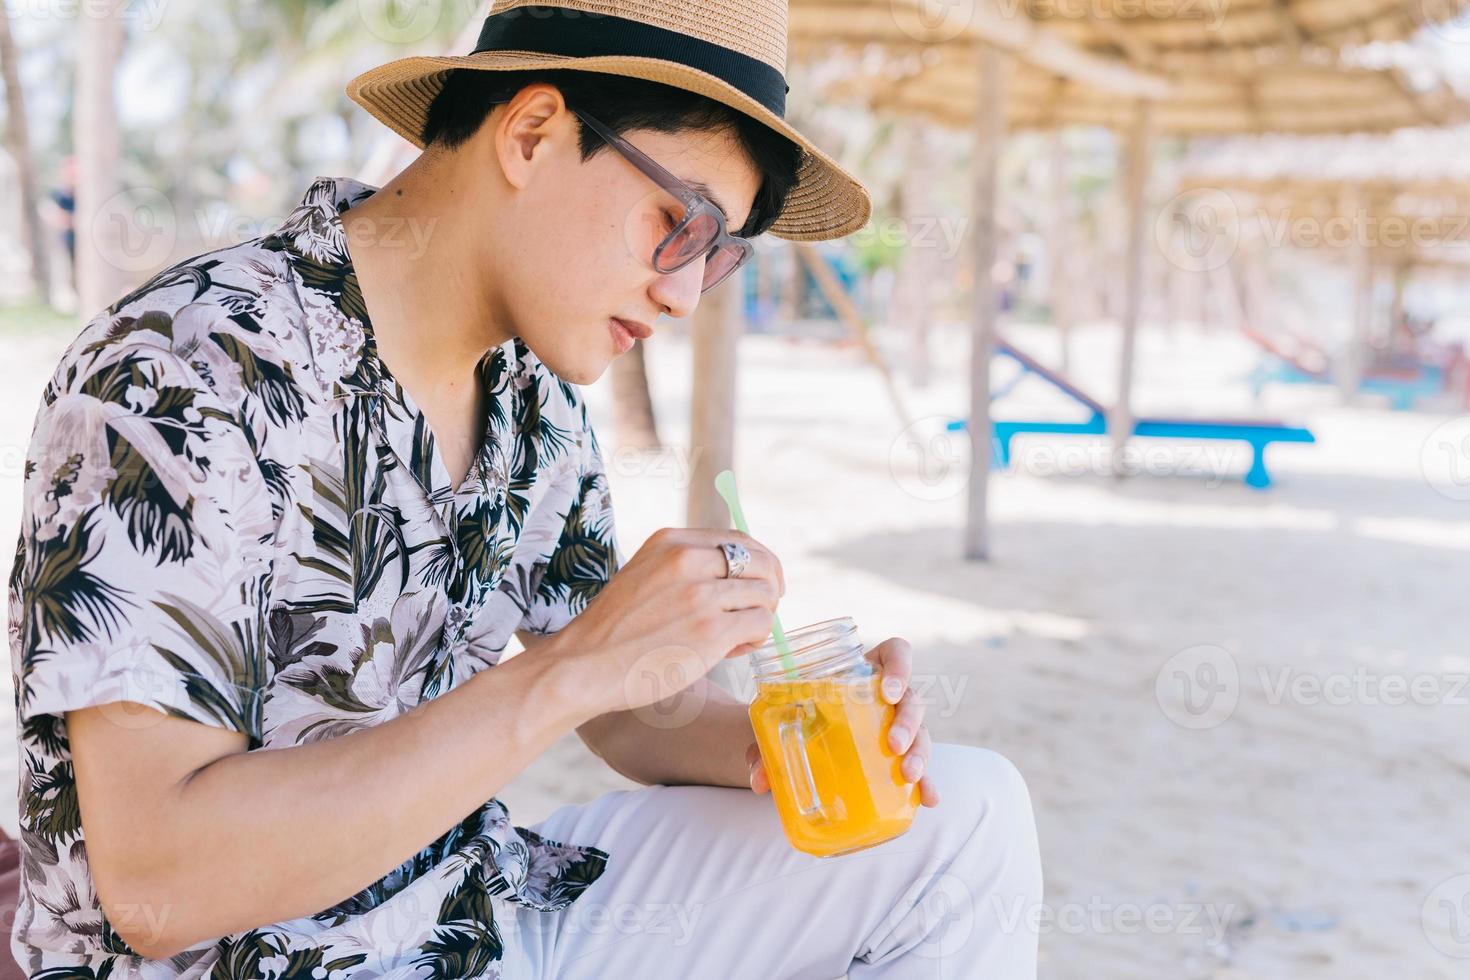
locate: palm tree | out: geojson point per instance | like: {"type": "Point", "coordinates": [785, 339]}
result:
{"type": "Point", "coordinates": [98, 146]}
{"type": "Point", "coordinates": [18, 142]}
{"type": "Point", "coordinates": [633, 416]}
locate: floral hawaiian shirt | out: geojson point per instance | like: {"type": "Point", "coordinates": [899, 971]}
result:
{"type": "Point", "coordinates": [234, 514]}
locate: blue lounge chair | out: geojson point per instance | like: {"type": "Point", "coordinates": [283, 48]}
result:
{"type": "Point", "coordinates": [1257, 433]}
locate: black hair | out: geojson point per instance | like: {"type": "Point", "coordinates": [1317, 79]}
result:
{"type": "Point", "coordinates": [621, 104]}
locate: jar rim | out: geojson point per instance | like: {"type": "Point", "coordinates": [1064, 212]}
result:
{"type": "Point", "coordinates": [827, 646]}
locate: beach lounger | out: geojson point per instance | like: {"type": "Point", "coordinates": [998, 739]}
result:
{"type": "Point", "coordinates": [1256, 433]}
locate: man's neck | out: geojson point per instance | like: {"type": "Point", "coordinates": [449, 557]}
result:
{"type": "Point", "coordinates": [414, 250]}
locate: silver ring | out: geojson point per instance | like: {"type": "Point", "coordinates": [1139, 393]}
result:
{"type": "Point", "coordinates": [736, 558]}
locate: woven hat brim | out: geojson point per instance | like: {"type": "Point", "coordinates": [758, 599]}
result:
{"type": "Point", "coordinates": [827, 202]}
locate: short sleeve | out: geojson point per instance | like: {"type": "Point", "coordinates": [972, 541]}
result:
{"type": "Point", "coordinates": [143, 565]}
{"type": "Point", "coordinates": [585, 556]}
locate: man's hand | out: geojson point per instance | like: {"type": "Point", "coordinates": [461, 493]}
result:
{"type": "Point", "coordinates": [670, 615]}
{"type": "Point", "coordinates": [907, 736]}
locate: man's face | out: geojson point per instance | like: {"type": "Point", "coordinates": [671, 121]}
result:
{"type": "Point", "coordinates": [590, 232]}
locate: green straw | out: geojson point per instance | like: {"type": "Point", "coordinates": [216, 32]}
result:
{"type": "Point", "coordinates": [725, 484]}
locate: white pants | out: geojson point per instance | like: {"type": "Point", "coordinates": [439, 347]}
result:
{"type": "Point", "coordinates": [701, 882]}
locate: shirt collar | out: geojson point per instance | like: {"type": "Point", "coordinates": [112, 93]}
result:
{"type": "Point", "coordinates": [344, 353]}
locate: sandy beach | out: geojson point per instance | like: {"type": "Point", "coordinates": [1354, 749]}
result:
{"type": "Point", "coordinates": [1241, 714]}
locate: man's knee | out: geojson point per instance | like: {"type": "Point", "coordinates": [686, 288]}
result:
{"type": "Point", "coordinates": [990, 804]}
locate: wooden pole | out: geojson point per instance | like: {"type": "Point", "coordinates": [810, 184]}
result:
{"type": "Point", "coordinates": [1350, 377]}
{"type": "Point", "coordinates": [95, 135]}
{"type": "Point", "coordinates": [715, 339]}
{"type": "Point", "coordinates": [1060, 249]}
{"type": "Point", "coordinates": [852, 319]}
{"type": "Point", "coordinates": [916, 279]}
{"type": "Point", "coordinates": [1140, 145]}
{"type": "Point", "coordinates": [18, 142]}
{"type": "Point", "coordinates": [634, 423]}
{"type": "Point", "coordinates": [715, 334]}
{"type": "Point", "coordinates": [985, 309]}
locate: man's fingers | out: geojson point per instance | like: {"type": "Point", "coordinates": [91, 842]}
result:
{"type": "Point", "coordinates": [916, 761]}
{"type": "Point", "coordinates": [703, 545]}
{"type": "Point", "coordinates": [759, 781]}
{"type": "Point", "coordinates": [895, 658]}
{"type": "Point", "coordinates": [908, 721]}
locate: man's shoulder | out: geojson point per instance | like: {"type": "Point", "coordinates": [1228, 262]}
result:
{"type": "Point", "coordinates": [228, 320]}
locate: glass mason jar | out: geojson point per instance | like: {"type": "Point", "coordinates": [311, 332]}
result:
{"type": "Point", "coordinates": [823, 735]}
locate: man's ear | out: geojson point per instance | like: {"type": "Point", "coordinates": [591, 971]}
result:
{"type": "Point", "coordinates": [531, 121]}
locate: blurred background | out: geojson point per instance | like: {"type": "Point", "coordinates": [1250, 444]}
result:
{"type": "Point", "coordinates": [1141, 407]}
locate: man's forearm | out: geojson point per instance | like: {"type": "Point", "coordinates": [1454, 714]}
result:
{"type": "Point", "coordinates": [658, 744]}
{"type": "Point", "coordinates": [373, 798]}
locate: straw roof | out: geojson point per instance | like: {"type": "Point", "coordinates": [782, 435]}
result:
{"type": "Point", "coordinates": [1297, 98]}
{"type": "Point", "coordinates": [1230, 34]}
{"type": "Point", "coordinates": [1407, 194]}
{"type": "Point", "coordinates": [1079, 38]}
{"type": "Point", "coordinates": [1425, 162]}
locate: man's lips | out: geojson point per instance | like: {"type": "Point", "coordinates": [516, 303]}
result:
{"type": "Point", "coordinates": [640, 330]}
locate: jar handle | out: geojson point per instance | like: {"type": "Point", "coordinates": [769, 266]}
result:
{"type": "Point", "coordinates": [798, 765]}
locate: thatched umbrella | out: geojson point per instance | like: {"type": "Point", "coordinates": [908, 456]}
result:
{"type": "Point", "coordinates": [1249, 40]}
{"type": "Point", "coordinates": [1297, 98]}
{"type": "Point", "coordinates": [1186, 35]}
{"type": "Point", "coordinates": [1400, 201]}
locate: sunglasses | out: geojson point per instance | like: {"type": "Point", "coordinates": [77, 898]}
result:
{"type": "Point", "coordinates": [700, 231]}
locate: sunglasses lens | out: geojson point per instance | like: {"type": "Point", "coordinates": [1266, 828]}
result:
{"type": "Point", "coordinates": [688, 242]}
{"type": "Point", "coordinates": [719, 265]}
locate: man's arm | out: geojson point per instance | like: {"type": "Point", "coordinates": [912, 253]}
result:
{"type": "Point", "coordinates": [670, 742]}
{"type": "Point", "coordinates": [191, 837]}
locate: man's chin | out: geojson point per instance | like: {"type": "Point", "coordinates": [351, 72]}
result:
{"type": "Point", "coordinates": [579, 371]}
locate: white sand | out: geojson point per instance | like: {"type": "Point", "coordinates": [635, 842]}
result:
{"type": "Point", "coordinates": [1291, 840]}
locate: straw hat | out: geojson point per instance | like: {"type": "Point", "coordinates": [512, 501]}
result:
{"type": "Point", "coordinates": [733, 51]}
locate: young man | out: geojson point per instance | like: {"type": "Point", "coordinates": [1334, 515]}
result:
{"type": "Point", "coordinates": [287, 501]}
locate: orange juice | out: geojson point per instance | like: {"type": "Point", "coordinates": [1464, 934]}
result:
{"type": "Point", "coordinates": [835, 780]}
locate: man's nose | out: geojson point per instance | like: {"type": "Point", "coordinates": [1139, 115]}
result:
{"type": "Point", "coordinates": [678, 292]}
